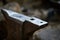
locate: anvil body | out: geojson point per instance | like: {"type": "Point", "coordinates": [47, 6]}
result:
{"type": "Point", "coordinates": [20, 26]}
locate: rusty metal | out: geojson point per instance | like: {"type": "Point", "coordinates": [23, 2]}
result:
{"type": "Point", "coordinates": [21, 27]}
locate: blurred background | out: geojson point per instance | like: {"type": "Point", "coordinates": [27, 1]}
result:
{"type": "Point", "coordinates": [48, 10]}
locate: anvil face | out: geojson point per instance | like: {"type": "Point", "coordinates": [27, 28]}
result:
{"type": "Point", "coordinates": [37, 21]}
{"type": "Point", "coordinates": [22, 17]}
{"type": "Point", "coordinates": [16, 15]}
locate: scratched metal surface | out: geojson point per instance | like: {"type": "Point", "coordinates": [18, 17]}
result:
{"type": "Point", "coordinates": [17, 16]}
{"type": "Point", "coordinates": [23, 17]}
{"type": "Point", "coordinates": [37, 21]}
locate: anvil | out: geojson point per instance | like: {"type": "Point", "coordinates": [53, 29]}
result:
{"type": "Point", "coordinates": [20, 26]}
